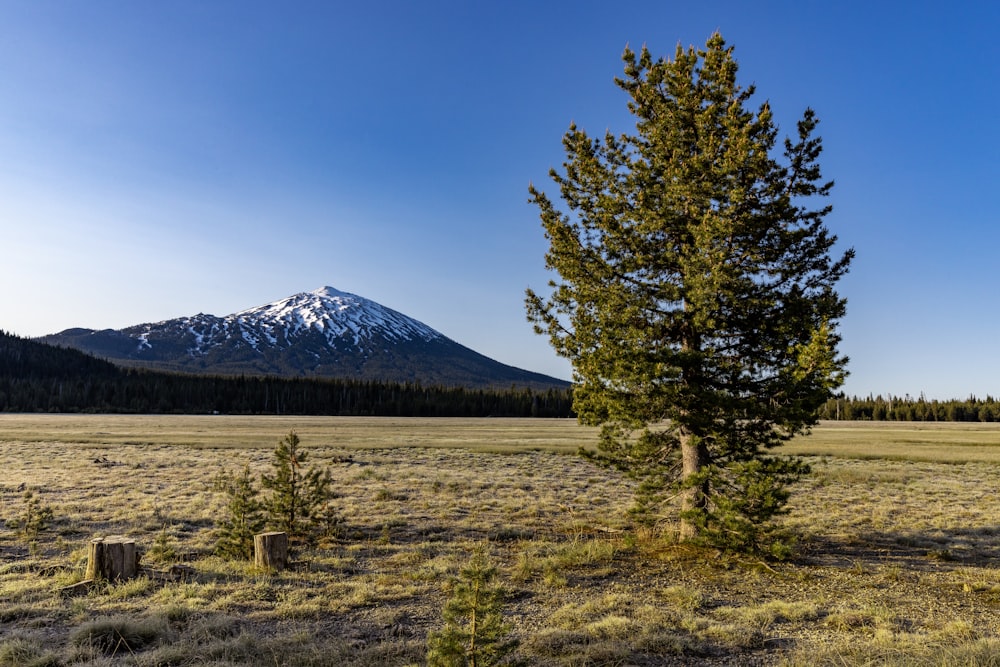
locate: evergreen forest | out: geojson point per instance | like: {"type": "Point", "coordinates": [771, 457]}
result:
{"type": "Point", "coordinates": [908, 409]}
{"type": "Point", "coordinates": [35, 377]}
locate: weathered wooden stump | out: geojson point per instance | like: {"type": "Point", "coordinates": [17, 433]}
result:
{"type": "Point", "coordinates": [270, 551]}
{"type": "Point", "coordinates": [113, 558]}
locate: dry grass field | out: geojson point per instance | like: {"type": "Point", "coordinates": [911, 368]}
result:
{"type": "Point", "coordinates": [897, 560]}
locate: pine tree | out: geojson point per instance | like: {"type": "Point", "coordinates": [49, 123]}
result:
{"type": "Point", "coordinates": [696, 295]}
{"type": "Point", "coordinates": [35, 517]}
{"type": "Point", "coordinates": [474, 631]}
{"type": "Point", "coordinates": [299, 498]}
{"type": "Point", "coordinates": [244, 516]}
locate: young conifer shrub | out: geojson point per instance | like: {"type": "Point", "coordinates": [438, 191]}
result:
{"type": "Point", "coordinates": [474, 632]}
{"type": "Point", "coordinates": [299, 500]}
{"type": "Point", "coordinates": [163, 549]}
{"type": "Point", "coordinates": [244, 514]}
{"type": "Point", "coordinates": [35, 517]}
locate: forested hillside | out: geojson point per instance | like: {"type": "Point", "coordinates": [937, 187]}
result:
{"type": "Point", "coordinates": [35, 377]}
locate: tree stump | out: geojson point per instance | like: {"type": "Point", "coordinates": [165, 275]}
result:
{"type": "Point", "coordinates": [270, 551]}
{"type": "Point", "coordinates": [113, 558]}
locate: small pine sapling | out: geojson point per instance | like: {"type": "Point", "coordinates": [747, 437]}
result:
{"type": "Point", "coordinates": [163, 549]}
{"type": "Point", "coordinates": [474, 632]}
{"type": "Point", "coordinates": [34, 518]}
{"type": "Point", "coordinates": [299, 502]}
{"type": "Point", "coordinates": [244, 515]}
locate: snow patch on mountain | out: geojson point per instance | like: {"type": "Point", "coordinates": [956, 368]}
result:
{"type": "Point", "coordinates": [338, 317]}
{"type": "Point", "coordinates": [334, 314]}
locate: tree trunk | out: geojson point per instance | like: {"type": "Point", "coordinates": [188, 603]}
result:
{"type": "Point", "coordinates": [694, 457]}
{"type": "Point", "coordinates": [270, 551]}
{"type": "Point", "coordinates": [113, 558]}
{"type": "Point", "coordinates": [694, 453]}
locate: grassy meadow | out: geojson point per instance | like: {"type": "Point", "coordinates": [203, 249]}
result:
{"type": "Point", "coordinates": [899, 545]}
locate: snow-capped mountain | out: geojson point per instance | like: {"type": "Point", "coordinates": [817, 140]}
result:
{"type": "Point", "coordinates": [337, 315]}
{"type": "Point", "coordinates": [323, 333]}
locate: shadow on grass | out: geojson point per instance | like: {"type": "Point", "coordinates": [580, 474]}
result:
{"type": "Point", "coordinates": [915, 550]}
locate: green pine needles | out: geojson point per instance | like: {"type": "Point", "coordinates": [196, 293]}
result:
{"type": "Point", "coordinates": [474, 632]}
{"type": "Point", "coordinates": [297, 502]}
{"type": "Point", "coordinates": [34, 518]}
{"type": "Point", "coordinates": [695, 294]}
{"type": "Point", "coordinates": [299, 498]}
{"type": "Point", "coordinates": [244, 514]}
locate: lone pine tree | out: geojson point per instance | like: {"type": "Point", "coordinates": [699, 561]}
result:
{"type": "Point", "coordinates": [695, 293]}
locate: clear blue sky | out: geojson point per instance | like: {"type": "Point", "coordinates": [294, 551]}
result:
{"type": "Point", "coordinates": [164, 159]}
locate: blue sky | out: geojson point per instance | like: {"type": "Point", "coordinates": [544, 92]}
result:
{"type": "Point", "coordinates": [164, 159]}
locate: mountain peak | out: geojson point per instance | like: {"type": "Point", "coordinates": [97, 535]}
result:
{"type": "Point", "coordinates": [324, 333]}
{"type": "Point", "coordinates": [330, 292]}
{"type": "Point", "coordinates": [338, 316]}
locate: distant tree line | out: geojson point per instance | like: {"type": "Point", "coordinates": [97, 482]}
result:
{"type": "Point", "coordinates": [41, 378]}
{"type": "Point", "coordinates": [908, 408]}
